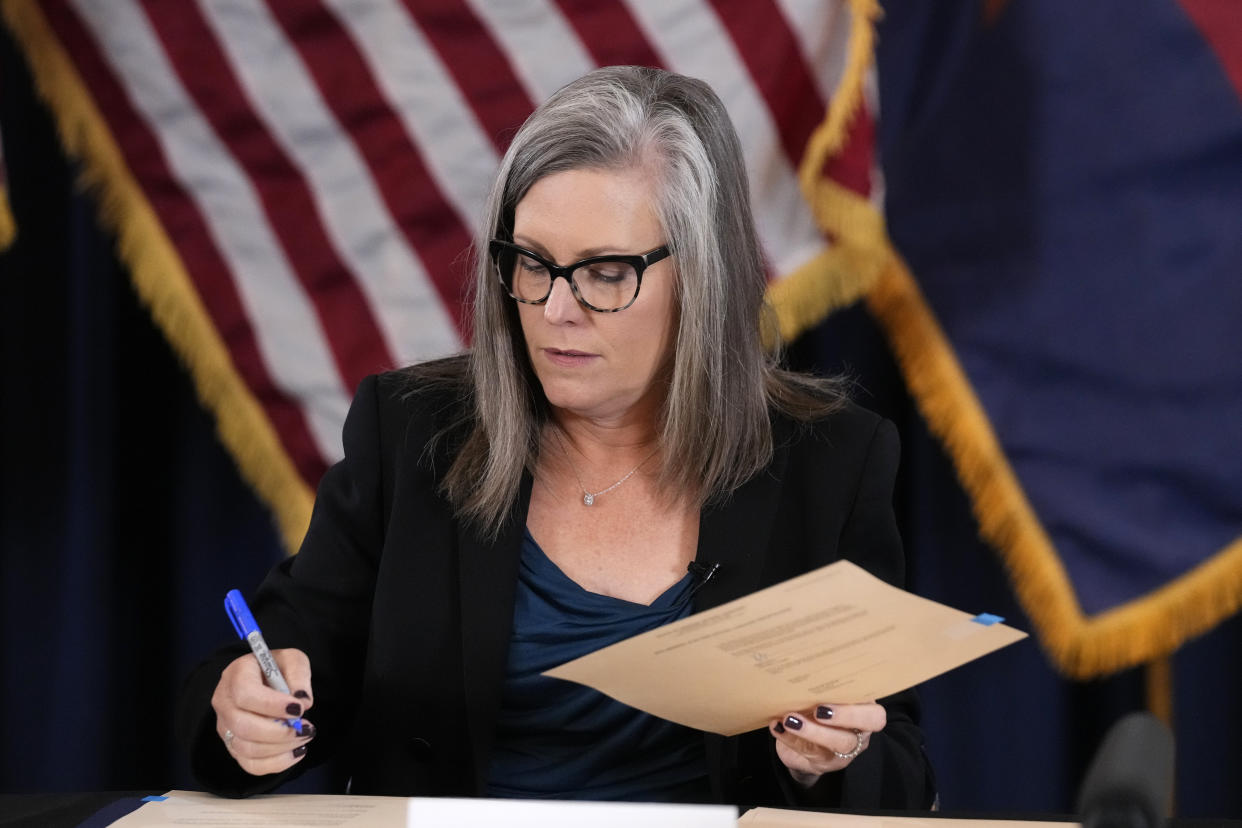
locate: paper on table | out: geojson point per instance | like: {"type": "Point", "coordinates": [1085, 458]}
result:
{"type": "Point", "coordinates": [200, 809]}
{"type": "Point", "coordinates": [778, 818]}
{"type": "Point", "coordinates": [543, 813]}
{"type": "Point", "coordinates": [836, 634]}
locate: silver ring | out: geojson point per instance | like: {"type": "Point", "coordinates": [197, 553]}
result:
{"type": "Point", "coordinates": [858, 747]}
{"type": "Point", "coordinates": [228, 739]}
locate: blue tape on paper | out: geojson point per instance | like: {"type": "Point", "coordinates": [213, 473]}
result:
{"type": "Point", "coordinates": [154, 798]}
{"type": "Point", "coordinates": [987, 619]}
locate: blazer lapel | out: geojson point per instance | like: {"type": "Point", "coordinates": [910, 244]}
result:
{"type": "Point", "coordinates": [735, 534]}
{"type": "Point", "coordinates": [488, 577]}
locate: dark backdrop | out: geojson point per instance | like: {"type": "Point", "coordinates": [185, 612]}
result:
{"type": "Point", "coordinates": [123, 522]}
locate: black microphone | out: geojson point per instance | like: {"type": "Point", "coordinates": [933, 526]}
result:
{"type": "Point", "coordinates": [704, 572]}
{"type": "Point", "coordinates": [1130, 781]}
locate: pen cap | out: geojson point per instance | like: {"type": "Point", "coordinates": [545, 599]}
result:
{"type": "Point", "coordinates": [239, 613]}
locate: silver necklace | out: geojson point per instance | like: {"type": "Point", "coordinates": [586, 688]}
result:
{"type": "Point", "coordinates": [588, 498]}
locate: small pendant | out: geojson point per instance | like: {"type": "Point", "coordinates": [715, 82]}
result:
{"type": "Point", "coordinates": [588, 498]}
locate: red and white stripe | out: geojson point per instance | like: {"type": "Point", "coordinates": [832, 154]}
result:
{"type": "Point", "coordinates": [319, 164]}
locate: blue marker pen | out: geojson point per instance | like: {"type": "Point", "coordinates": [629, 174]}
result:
{"type": "Point", "coordinates": [247, 629]}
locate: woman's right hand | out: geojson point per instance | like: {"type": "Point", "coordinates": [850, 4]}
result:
{"type": "Point", "coordinates": [250, 716]}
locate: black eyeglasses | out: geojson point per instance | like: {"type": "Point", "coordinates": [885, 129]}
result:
{"type": "Point", "coordinates": [605, 284]}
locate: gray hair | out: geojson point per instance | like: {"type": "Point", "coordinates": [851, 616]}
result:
{"type": "Point", "coordinates": [714, 429]}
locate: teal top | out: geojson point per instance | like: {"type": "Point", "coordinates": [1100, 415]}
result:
{"type": "Point", "coordinates": [558, 739]}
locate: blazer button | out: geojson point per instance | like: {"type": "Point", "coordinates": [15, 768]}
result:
{"type": "Point", "coordinates": [420, 748]}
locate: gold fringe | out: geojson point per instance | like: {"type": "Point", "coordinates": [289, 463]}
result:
{"type": "Point", "coordinates": [160, 278]}
{"type": "Point", "coordinates": [1134, 633]}
{"type": "Point", "coordinates": [851, 219]}
{"type": "Point", "coordinates": [837, 277]}
{"type": "Point", "coordinates": [843, 273]}
{"type": "Point", "coordinates": [829, 137]}
{"type": "Point", "coordinates": [8, 227]}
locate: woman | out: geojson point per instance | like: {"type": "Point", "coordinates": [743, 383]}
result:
{"type": "Point", "coordinates": [617, 423]}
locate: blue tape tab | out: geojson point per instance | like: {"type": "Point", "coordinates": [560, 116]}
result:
{"type": "Point", "coordinates": [987, 619]}
{"type": "Point", "coordinates": [154, 798]}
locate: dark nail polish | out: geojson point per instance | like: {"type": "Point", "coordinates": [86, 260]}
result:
{"type": "Point", "coordinates": [301, 694]}
{"type": "Point", "coordinates": [308, 730]}
{"type": "Point", "coordinates": [293, 709]}
{"type": "Point", "coordinates": [780, 728]}
{"type": "Point", "coordinates": [823, 712]}
{"type": "Point", "coordinates": [300, 750]}
{"type": "Point", "coordinates": [793, 723]}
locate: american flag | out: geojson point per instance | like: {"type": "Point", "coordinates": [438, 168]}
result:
{"type": "Point", "coordinates": [294, 183]}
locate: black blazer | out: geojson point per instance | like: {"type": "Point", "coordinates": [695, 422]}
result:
{"type": "Point", "coordinates": [406, 613]}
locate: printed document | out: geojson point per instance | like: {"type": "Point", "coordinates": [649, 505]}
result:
{"type": "Point", "coordinates": [834, 635]}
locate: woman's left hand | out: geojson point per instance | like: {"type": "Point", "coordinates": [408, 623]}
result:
{"type": "Point", "coordinates": [825, 738]}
